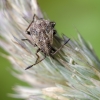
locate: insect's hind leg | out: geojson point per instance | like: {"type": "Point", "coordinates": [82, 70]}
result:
{"type": "Point", "coordinates": [40, 60]}
{"type": "Point", "coordinates": [36, 60]}
{"type": "Point", "coordinates": [60, 47]}
{"type": "Point", "coordinates": [37, 55]}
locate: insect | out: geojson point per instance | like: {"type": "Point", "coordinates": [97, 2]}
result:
{"type": "Point", "coordinates": [42, 32]}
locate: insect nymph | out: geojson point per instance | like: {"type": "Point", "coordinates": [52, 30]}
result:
{"type": "Point", "coordinates": [42, 32]}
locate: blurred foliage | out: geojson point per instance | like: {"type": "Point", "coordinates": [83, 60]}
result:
{"type": "Point", "coordinates": [69, 15]}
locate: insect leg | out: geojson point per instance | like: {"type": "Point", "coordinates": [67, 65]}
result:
{"type": "Point", "coordinates": [60, 47]}
{"type": "Point", "coordinates": [36, 62]}
{"type": "Point", "coordinates": [40, 60]}
{"type": "Point", "coordinates": [37, 55]}
{"type": "Point", "coordinates": [36, 59]}
{"type": "Point", "coordinates": [27, 40]}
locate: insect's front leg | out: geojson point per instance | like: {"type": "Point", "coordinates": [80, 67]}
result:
{"type": "Point", "coordinates": [27, 40]}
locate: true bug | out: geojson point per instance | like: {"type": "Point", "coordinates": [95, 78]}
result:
{"type": "Point", "coordinates": [42, 32]}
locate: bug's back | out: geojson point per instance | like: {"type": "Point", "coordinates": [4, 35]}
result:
{"type": "Point", "coordinates": [42, 34]}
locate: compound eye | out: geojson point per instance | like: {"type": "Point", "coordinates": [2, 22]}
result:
{"type": "Point", "coordinates": [53, 24]}
{"type": "Point", "coordinates": [28, 33]}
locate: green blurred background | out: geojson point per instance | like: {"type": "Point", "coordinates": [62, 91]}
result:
{"type": "Point", "coordinates": [68, 15]}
